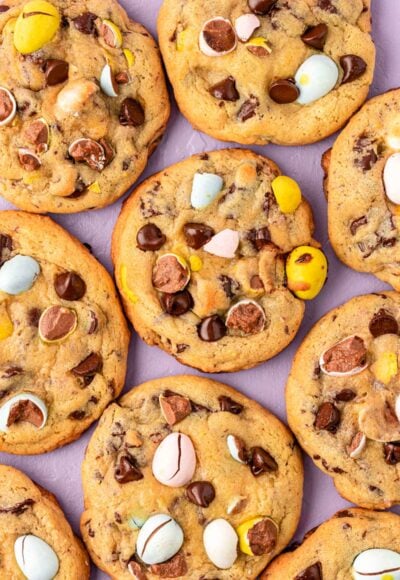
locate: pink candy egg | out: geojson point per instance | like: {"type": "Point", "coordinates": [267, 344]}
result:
{"type": "Point", "coordinates": [174, 461]}
{"type": "Point", "coordinates": [245, 25]}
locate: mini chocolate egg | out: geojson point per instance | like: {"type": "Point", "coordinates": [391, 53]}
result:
{"type": "Point", "coordinates": [245, 25]}
{"type": "Point", "coordinates": [357, 445]}
{"type": "Point", "coordinates": [205, 188]}
{"type": "Point", "coordinates": [57, 323]}
{"type": "Point", "coordinates": [174, 461]}
{"type": "Point", "coordinates": [217, 37]}
{"type": "Point", "coordinates": [224, 244]}
{"type": "Point", "coordinates": [108, 83]}
{"type": "Point", "coordinates": [111, 34]}
{"type": "Point", "coordinates": [36, 26]}
{"type": "Point", "coordinates": [315, 78]}
{"type": "Point", "coordinates": [18, 274]}
{"type": "Point", "coordinates": [391, 178]}
{"type": "Point", "coordinates": [377, 564]}
{"type": "Point", "coordinates": [35, 558]}
{"type": "Point", "coordinates": [345, 358]}
{"type": "Point", "coordinates": [159, 539]}
{"type": "Point", "coordinates": [220, 543]}
{"type": "Point", "coordinates": [26, 408]}
{"type": "Point", "coordinates": [8, 106]}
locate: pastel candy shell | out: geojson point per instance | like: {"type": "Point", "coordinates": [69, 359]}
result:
{"type": "Point", "coordinates": [220, 543]}
{"type": "Point", "coordinates": [391, 178]}
{"type": "Point", "coordinates": [36, 559]}
{"type": "Point", "coordinates": [159, 539]}
{"type": "Point", "coordinates": [377, 564]}
{"type": "Point", "coordinates": [18, 274]}
{"type": "Point", "coordinates": [224, 244]}
{"type": "Point", "coordinates": [174, 461]}
{"type": "Point", "coordinates": [205, 188]}
{"type": "Point", "coordinates": [315, 78]}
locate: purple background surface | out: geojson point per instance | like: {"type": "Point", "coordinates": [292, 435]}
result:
{"type": "Point", "coordinates": [60, 471]}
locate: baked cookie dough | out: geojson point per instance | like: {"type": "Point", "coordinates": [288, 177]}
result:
{"type": "Point", "coordinates": [355, 544]}
{"type": "Point", "coordinates": [63, 336]}
{"type": "Point", "coordinates": [343, 398]}
{"type": "Point", "coordinates": [363, 189]}
{"type": "Point", "coordinates": [213, 258]}
{"type": "Point", "coordinates": [186, 477]}
{"type": "Point", "coordinates": [36, 540]}
{"type": "Point", "coordinates": [254, 71]}
{"type": "Point", "coordinates": [83, 103]}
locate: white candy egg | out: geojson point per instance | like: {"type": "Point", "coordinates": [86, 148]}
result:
{"type": "Point", "coordinates": [391, 178]}
{"type": "Point", "coordinates": [159, 539]}
{"type": "Point", "coordinates": [224, 244]}
{"type": "Point", "coordinates": [11, 105]}
{"type": "Point", "coordinates": [205, 188]}
{"type": "Point", "coordinates": [107, 82]}
{"type": "Point", "coordinates": [315, 78]}
{"type": "Point", "coordinates": [36, 559]}
{"type": "Point", "coordinates": [220, 543]}
{"type": "Point", "coordinates": [6, 408]}
{"type": "Point", "coordinates": [377, 564]}
{"type": "Point", "coordinates": [245, 25]}
{"type": "Point", "coordinates": [174, 461]}
{"type": "Point", "coordinates": [18, 274]}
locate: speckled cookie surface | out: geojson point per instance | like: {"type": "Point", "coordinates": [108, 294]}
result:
{"type": "Point", "coordinates": [244, 92]}
{"type": "Point", "coordinates": [160, 219]}
{"type": "Point", "coordinates": [363, 220]}
{"type": "Point", "coordinates": [61, 99]}
{"type": "Point", "coordinates": [206, 412]}
{"type": "Point", "coordinates": [63, 340]}
{"type": "Point", "coordinates": [329, 551]}
{"type": "Point", "coordinates": [26, 509]}
{"type": "Point", "coordinates": [343, 398]}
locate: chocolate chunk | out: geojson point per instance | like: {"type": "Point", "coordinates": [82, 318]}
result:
{"type": "Point", "coordinates": [231, 287]}
{"type": "Point", "coordinates": [353, 67]}
{"type": "Point", "coordinates": [229, 405]}
{"type": "Point", "coordinates": [362, 221]}
{"type": "Point", "coordinates": [246, 317]}
{"type": "Point", "coordinates": [177, 304]}
{"type": "Point", "coordinates": [225, 90]}
{"type": "Point", "coordinates": [345, 395]}
{"type": "Point", "coordinates": [85, 23]}
{"type": "Point", "coordinates": [131, 113]}
{"type": "Point", "coordinates": [383, 323]}
{"type": "Point", "coordinates": [77, 415]}
{"type": "Point", "coordinates": [201, 493]}
{"type": "Point", "coordinates": [260, 237]}
{"type": "Point", "coordinates": [173, 568]}
{"type": "Point", "coordinates": [219, 35]}
{"type": "Point", "coordinates": [126, 470]}
{"type": "Point", "coordinates": [175, 407]}
{"type": "Point", "coordinates": [313, 572]}
{"type": "Point", "coordinates": [90, 366]}
{"type": "Point", "coordinates": [37, 133]}
{"type": "Point", "coordinates": [55, 71]}
{"type": "Point", "coordinates": [345, 356]}
{"type": "Point", "coordinates": [108, 151]}
{"type": "Point", "coordinates": [90, 152]}
{"type": "Point", "coordinates": [256, 283]}
{"type": "Point", "coordinates": [196, 235]}
{"type": "Point", "coordinates": [261, 7]}
{"type": "Point", "coordinates": [392, 453]}
{"type": "Point", "coordinates": [327, 418]}
{"type": "Point", "coordinates": [261, 462]}
{"type": "Point", "coordinates": [28, 160]}
{"type": "Point", "coordinates": [315, 36]}
{"type": "Point", "coordinates": [69, 286]}
{"type": "Point", "coordinates": [170, 275]}
{"type": "Point", "coordinates": [18, 508]}
{"type": "Point", "coordinates": [262, 537]}
{"type": "Point", "coordinates": [211, 329]}
{"type": "Point", "coordinates": [366, 154]}
{"type": "Point", "coordinates": [248, 109]}
{"type": "Point", "coordinates": [284, 91]}
{"type": "Point", "coordinates": [150, 238]}
{"type": "Point", "coordinates": [4, 8]}
{"type": "Point", "coordinates": [34, 317]}
{"type": "Point", "coordinates": [56, 323]}
{"type": "Point", "coordinates": [6, 247]}
{"type": "Point", "coordinates": [25, 411]}
{"type": "Point", "coordinates": [93, 322]}
{"type": "Point", "coordinates": [11, 371]}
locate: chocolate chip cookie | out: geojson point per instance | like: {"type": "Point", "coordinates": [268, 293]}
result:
{"type": "Point", "coordinates": [63, 337]}
{"type": "Point", "coordinates": [36, 540]}
{"type": "Point", "coordinates": [355, 543]}
{"type": "Point", "coordinates": [343, 398]}
{"type": "Point", "coordinates": [83, 103]}
{"type": "Point", "coordinates": [186, 477]}
{"type": "Point", "coordinates": [214, 257]}
{"type": "Point", "coordinates": [362, 186]}
{"type": "Point", "coordinates": [254, 71]}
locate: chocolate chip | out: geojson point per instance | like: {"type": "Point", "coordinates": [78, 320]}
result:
{"type": "Point", "coordinates": [90, 152]}
{"type": "Point", "coordinates": [177, 304]}
{"type": "Point", "coordinates": [90, 366]}
{"type": "Point", "coordinates": [327, 418]}
{"type": "Point", "coordinates": [197, 235]}
{"type": "Point", "coordinates": [131, 113]}
{"type": "Point", "coordinates": [353, 67]}
{"type": "Point", "coordinates": [260, 237]}
{"type": "Point", "coordinates": [69, 286]}
{"type": "Point", "coordinates": [25, 411]}
{"type": "Point", "coordinates": [170, 275]}
{"type": "Point", "coordinates": [315, 36]}
{"type": "Point", "coordinates": [6, 247]}
{"type": "Point", "coordinates": [175, 407]}
{"type": "Point", "coordinates": [201, 493]}
{"type": "Point", "coordinates": [229, 405]}
{"type": "Point", "coordinates": [392, 453]}
{"type": "Point", "coordinates": [108, 151]}
{"type": "Point", "coordinates": [219, 35]}
{"type": "Point", "coordinates": [261, 7]}
{"type": "Point", "coordinates": [150, 238]}
{"type": "Point", "coordinates": [225, 90]}
{"type": "Point", "coordinates": [231, 287]}
{"type": "Point", "coordinates": [355, 224]}
{"type": "Point", "coordinates": [18, 508]}
{"type": "Point", "coordinates": [262, 537]}
{"type": "Point", "coordinates": [173, 568]}
{"type": "Point", "coordinates": [28, 160]}
{"type": "Point", "coordinates": [383, 323]}
{"type": "Point", "coordinates": [126, 470]}
{"type": "Point", "coordinates": [256, 283]}
{"type": "Point", "coordinates": [77, 415]}
{"type": "Point", "coordinates": [261, 461]}
{"type": "Point", "coordinates": [85, 23]}
{"type": "Point", "coordinates": [211, 329]}
{"type": "Point", "coordinates": [248, 109]}
{"type": "Point", "coordinates": [55, 71]}
{"type": "Point", "coordinates": [313, 572]}
{"type": "Point", "coordinates": [345, 395]}
{"type": "Point", "coordinates": [4, 8]}
{"type": "Point", "coordinates": [284, 91]}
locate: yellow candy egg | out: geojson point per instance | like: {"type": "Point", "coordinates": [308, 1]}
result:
{"type": "Point", "coordinates": [130, 57]}
{"type": "Point", "coordinates": [181, 39]}
{"type": "Point", "coordinates": [385, 368]}
{"type": "Point", "coordinates": [306, 271]}
{"type": "Point", "coordinates": [125, 288]}
{"type": "Point", "coordinates": [111, 34]}
{"type": "Point", "coordinates": [287, 193]}
{"type": "Point", "coordinates": [36, 26]}
{"type": "Point", "coordinates": [94, 187]}
{"type": "Point", "coordinates": [242, 532]}
{"type": "Point", "coordinates": [6, 325]}
{"type": "Point", "coordinates": [196, 263]}
{"type": "Point", "coordinates": [259, 42]}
